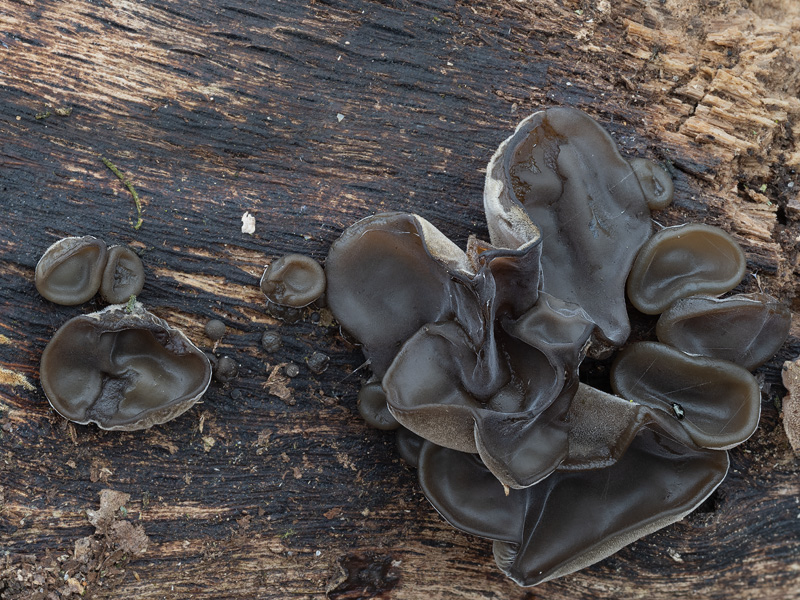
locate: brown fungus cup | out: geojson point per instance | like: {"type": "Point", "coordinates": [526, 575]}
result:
{"type": "Point", "coordinates": [71, 270]}
{"type": "Point", "coordinates": [293, 280]}
{"type": "Point", "coordinates": [565, 172]}
{"type": "Point", "coordinates": [467, 360]}
{"type": "Point", "coordinates": [745, 329]}
{"type": "Point", "coordinates": [122, 368]}
{"type": "Point", "coordinates": [631, 471]}
{"type": "Point", "coordinates": [718, 402]}
{"type": "Point", "coordinates": [478, 350]}
{"type": "Point", "coordinates": [123, 275]}
{"type": "Point", "coordinates": [572, 519]}
{"type": "Point", "coordinates": [683, 261]}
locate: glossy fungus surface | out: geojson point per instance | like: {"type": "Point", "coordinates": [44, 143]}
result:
{"type": "Point", "coordinates": [445, 328]}
{"type": "Point", "coordinates": [719, 403]}
{"type": "Point", "coordinates": [683, 261]}
{"type": "Point", "coordinates": [746, 329]}
{"type": "Point", "coordinates": [565, 171]}
{"type": "Point", "coordinates": [384, 283]}
{"type": "Point", "coordinates": [122, 369]}
{"type": "Point", "coordinates": [477, 351]}
{"type": "Point", "coordinates": [571, 519]}
{"type": "Point", "coordinates": [123, 275]}
{"type": "Point", "coordinates": [70, 271]}
{"type": "Point", "coordinates": [372, 407]}
{"type": "Point", "coordinates": [656, 182]}
{"type": "Point", "coordinates": [293, 280]}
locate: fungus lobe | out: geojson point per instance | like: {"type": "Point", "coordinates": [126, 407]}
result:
{"type": "Point", "coordinates": [445, 329]}
{"type": "Point", "coordinates": [70, 270]}
{"type": "Point", "coordinates": [683, 261]}
{"type": "Point", "coordinates": [572, 518]}
{"type": "Point", "coordinates": [122, 369]}
{"type": "Point", "coordinates": [293, 280]}
{"type": "Point", "coordinates": [719, 402]}
{"type": "Point", "coordinates": [746, 329]}
{"type": "Point", "coordinates": [372, 407]}
{"type": "Point", "coordinates": [565, 171]}
{"type": "Point", "coordinates": [123, 275]}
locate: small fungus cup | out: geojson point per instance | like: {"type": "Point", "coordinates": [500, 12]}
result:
{"type": "Point", "coordinates": [745, 329]}
{"type": "Point", "coordinates": [123, 275]}
{"type": "Point", "coordinates": [70, 271]}
{"type": "Point", "coordinates": [122, 368]}
{"type": "Point", "coordinates": [215, 329]}
{"type": "Point", "coordinates": [293, 280]}
{"type": "Point", "coordinates": [682, 261]}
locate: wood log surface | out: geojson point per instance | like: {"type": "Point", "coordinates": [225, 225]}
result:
{"type": "Point", "coordinates": [310, 115]}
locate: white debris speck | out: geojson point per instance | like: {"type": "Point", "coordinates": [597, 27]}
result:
{"type": "Point", "coordinates": [318, 553]}
{"type": "Point", "coordinates": [674, 555]}
{"type": "Point", "coordinates": [339, 117]}
{"type": "Point", "coordinates": [248, 223]}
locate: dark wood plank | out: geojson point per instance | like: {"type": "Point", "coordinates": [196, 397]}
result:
{"type": "Point", "coordinates": [215, 108]}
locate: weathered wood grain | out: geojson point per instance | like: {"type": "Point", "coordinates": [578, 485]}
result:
{"type": "Point", "coordinates": [215, 108]}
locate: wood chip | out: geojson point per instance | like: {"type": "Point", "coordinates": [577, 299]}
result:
{"type": "Point", "coordinates": [791, 403]}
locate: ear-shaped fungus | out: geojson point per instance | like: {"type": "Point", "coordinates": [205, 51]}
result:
{"type": "Point", "coordinates": [431, 311]}
{"type": "Point", "coordinates": [683, 261]}
{"type": "Point", "coordinates": [70, 271]}
{"type": "Point", "coordinates": [565, 171]}
{"type": "Point", "coordinates": [718, 402]}
{"type": "Point", "coordinates": [387, 278]}
{"type": "Point", "coordinates": [372, 407]}
{"type": "Point", "coordinates": [123, 275]}
{"type": "Point", "coordinates": [478, 350]}
{"type": "Point", "coordinates": [518, 427]}
{"type": "Point", "coordinates": [572, 519]}
{"type": "Point", "coordinates": [293, 280]}
{"type": "Point", "coordinates": [747, 329]}
{"type": "Point", "coordinates": [631, 470]}
{"type": "Point", "coordinates": [122, 369]}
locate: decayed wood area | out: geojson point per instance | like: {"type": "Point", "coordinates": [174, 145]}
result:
{"type": "Point", "coordinates": [310, 115]}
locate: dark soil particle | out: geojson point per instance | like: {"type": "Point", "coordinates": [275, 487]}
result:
{"type": "Point", "coordinates": [318, 362]}
{"type": "Point", "coordinates": [215, 329]}
{"type": "Point", "coordinates": [226, 370]}
{"type": "Point", "coordinates": [271, 341]}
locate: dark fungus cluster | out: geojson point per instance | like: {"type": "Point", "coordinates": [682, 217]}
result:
{"type": "Point", "coordinates": [122, 368]}
{"type": "Point", "coordinates": [476, 353]}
